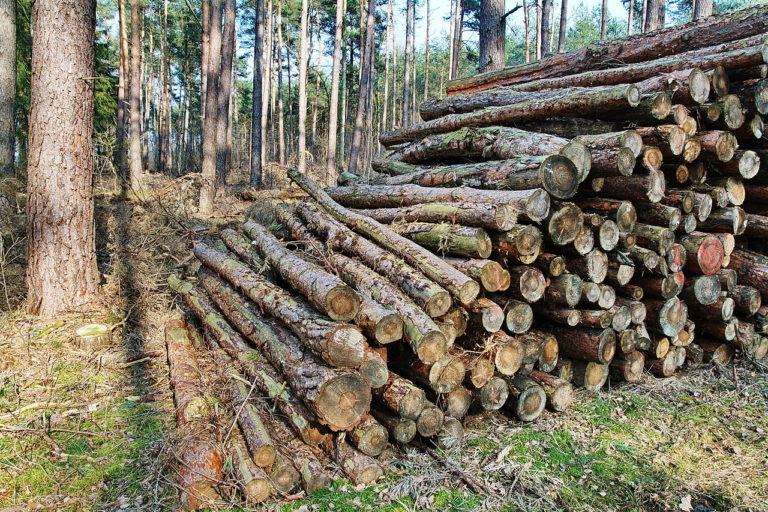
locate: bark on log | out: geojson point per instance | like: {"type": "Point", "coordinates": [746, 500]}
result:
{"type": "Point", "coordinates": [559, 393]}
{"type": "Point", "coordinates": [701, 289]}
{"type": "Point", "coordinates": [401, 396]}
{"type": "Point", "coordinates": [325, 291]}
{"type": "Point", "coordinates": [495, 217]}
{"type": "Point", "coordinates": [589, 375]}
{"type": "Point", "coordinates": [527, 398]}
{"type": "Point", "coordinates": [521, 242]}
{"type": "Point", "coordinates": [622, 212]}
{"type": "Point", "coordinates": [433, 298]}
{"type": "Point", "coordinates": [430, 421]}
{"type": "Point", "coordinates": [747, 300]}
{"type": "Point", "coordinates": [752, 270]}
{"type": "Point", "coordinates": [462, 287]}
{"type": "Point", "coordinates": [454, 239]}
{"type": "Point", "coordinates": [369, 436]}
{"type": "Point", "coordinates": [402, 430]}
{"type": "Point", "coordinates": [635, 188]}
{"type": "Point", "coordinates": [443, 376]}
{"type": "Point", "coordinates": [564, 290]}
{"type": "Point", "coordinates": [600, 100]}
{"type": "Point", "coordinates": [598, 345]}
{"type": "Point", "coordinates": [705, 253]}
{"type": "Point", "coordinates": [492, 276]}
{"type": "Point", "coordinates": [628, 367]}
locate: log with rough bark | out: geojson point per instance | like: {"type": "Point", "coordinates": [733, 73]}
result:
{"type": "Point", "coordinates": [461, 286]}
{"type": "Point", "coordinates": [401, 396]}
{"type": "Point", "coordinates": [599, 100]}
{"type": "Point", "coordinates": [360, 468]}
{"type": "Point", "coordinates": [534, 204]}
{"type": "Point", "coordinates": [443, 376]}
{"type": "Point", "coordinates": [240, 245]}
{"type": "Point", "coordinates": [444, 238]}
{"type": "Point", "coordinates": [492, 216]}
{"type": "Point", "coordinates": [746, 299]}
{"type": "Point", "coordinates": [559, 392]}
{"type": "Point", "coordinates": [402, 430]}
{"type": "Point", "coordinates": [492, 276]}
{"type": "Point", "coordinates": [564, 290]}
{"type": "Point", "coordinates": [338, 398]}
{"type": "Point", "coordinates": [705, 253]}
{"type": "Point", "coordinates": [598, 345]}
{"type": "Point", "coordinates": [621, 212]}
{"type": "Point", "coordinates": [433, 298]}
{"type": "Point", "coordinates": [369, 436]}
{"type": "Point", "coordinates": [325, 291]}
{"type": "Point", "coordinates": [201, 462]}
{"type": "Point", "coordinates": [252, 479]}
{"type": "Point", "coordinates": [752, 270]}
{"type": "Point", "coordinates": [556, 174]}
{"type": "Point", "coordinates": [527, 283]}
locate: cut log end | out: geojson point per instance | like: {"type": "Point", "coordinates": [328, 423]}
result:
{"type": "Point", "coordinates": [372, 440]}
{"type": "Point", "coordinates": [342, 303]}
{"type": "Point", "coordinates": [469, 291]}
{"type": "Point", "coordinates": [432, 347]}
{"type": "Point", "coordinates": [389, 329]}
{"type": "Point", "coordinates": [537, 205]}
{"type": "Point", "coordinates": [749, 164]}
{"type": "Point", "coordinates": [709, 255]}
{"type": "Point", "coordinates": [430, 421]}
{"type": "Point", "coordinates": [698, 85]}
{"type": "Point", "coordinates": [626, 216]}
{"type": "Point", "coordinates": [530, 404]}
{"type": "Point", "coordinates": [438, 304]}
{"type": "Point", "coordinates": [346, 347]}
{"type": "Point", "coordinates": [447, 374]}
{"type": "Point", "coordinates": [374, 372]}
{"type": "Point", "coordinates": [560, 176]}
{"type": "Point", "coordinates": [519, 317]}
{"type": "Point", "coordinates": [581, 157]}
{"type": "Point", "coordinates": [481, 372]}
{"type": "Point", "coordinates": [343, 401]}
{"type": "Point", "coordinates": [509, 358]}
{"type": "Point", "coordinates": [494, 394]}
{"type": "Point", "coordinates": [451, 436]}
{"type": "Point", "coordinates": [564, 224]}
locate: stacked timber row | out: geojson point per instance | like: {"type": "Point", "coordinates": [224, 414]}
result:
{"type": "Point", "coordinates": [550, 226]}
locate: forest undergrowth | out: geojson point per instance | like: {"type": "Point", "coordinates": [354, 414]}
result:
{"type": "Point", "coordinates": [84, 428]}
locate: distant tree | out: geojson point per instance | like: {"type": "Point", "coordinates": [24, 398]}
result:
{"type": "Point", "coordinates": [7, 86]}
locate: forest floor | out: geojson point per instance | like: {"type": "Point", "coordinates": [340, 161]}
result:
{"type": "Point", "coordinates": [93, 429]}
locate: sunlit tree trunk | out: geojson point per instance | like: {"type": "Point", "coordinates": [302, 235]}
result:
{"type": "Point", "coordinates": [492, 32]}
{"type": "Point", "coordinates": [546, 27]}
{"type": "Point", "coordinates": [631, 18]}
{"type": "Point", "coordinates": [135, 95]}
{"type": "Point", "coordinates": [563, 26]}
{"type": "Point", "coordinates": [604, 20]}
{"type": "Point", "coordinates": [527, 29]}
{"type": "Point", "coordinates": [364, 103]}
{"type": "Point", "coordinates": [702, 8]}
{"type": "Point", "coordinates": [208, 188]}
{"type": "Point", "coordinates": [122, 86]}
{"type": "Point", "coordinates": [303, 58]}
{"type": "Point", "coordinates": [265, 59]}
{"type": "Point", "coordinates": [409, 15]}
{"type": "Point", "coordinates": [458, 25]}
{"type": "Point", "coordinates": [257, 98]}
{"type": "Point", "coordinates": [280, 102]}
{"type": "Point", "coordinates": [225, 91]}
{"type": "Point", "coordinates": [61, 249]}
{"type": "Point", "coordinates": [426, 52]}
{"type": "Point", "coordinates": [333, 110]}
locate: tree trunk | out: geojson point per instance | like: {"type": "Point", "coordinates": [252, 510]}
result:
{"type": "Point", "coordinates": [61, 267]}
{"type": "Point", "coordinates": [546, 27]}
{"type": "Point", "coordinates": [228, 40]}
{"type": "Point", "coordinates": [303, 62]}
{"type": "Point", "coordinates": [208, 188]}
{"type": "Point", "coordinates": [135, 96]}
{"type": "Point", "coordinates": [426, 53]}
{"type": "Point", "coordinates": [604, 20]}
{"type": "Point", "coordinates": [267, 86]}
{"type": "Point", "coordinates": [702, 9]}
{"type": "Point", "coordinates": [563, 26]}
{"type": "Point", "coordinates": [538, 30]}
{"type": "Point", "coordinates": [631, 18]}
{"type": "Point", "coordinates": [408, 61]}
{"type": "Point", "coordinates": [8, 86]}
{"type": "Point", "coordinates": [446, 238]}
{"type": "Point", "coordinates": [387, 57]}
{"type": "Point", "coordinates": [280, 104]}
{"type": "Point", "coordinates": [492, 35]}
{"type": "Point", "coordinates": [122, 86]}
{"type": "Point", "coordinates": [456, 41]}
{"type": "Point", "coordinates": [527, 30]}
{"type": "Point", "coordinates": [654, 18]}
{"type": "Point", "coordinates": [256, 173]}
{"type": "Point", "coordinates": [366, 78]}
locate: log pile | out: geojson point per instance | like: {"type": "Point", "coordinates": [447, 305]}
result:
{"type": "Point", "coordinates": [546, 227]}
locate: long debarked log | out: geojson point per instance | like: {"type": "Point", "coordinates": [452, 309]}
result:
{"type": "Point", "coordinates": [325, 291]}
{"type": "Point", "coordinates": [461, 286]}
{"type": "Point", "coordinates": [496, 217]}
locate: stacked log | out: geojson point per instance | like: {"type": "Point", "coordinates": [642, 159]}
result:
{"type": "Point", "coordinates": [547, 227]}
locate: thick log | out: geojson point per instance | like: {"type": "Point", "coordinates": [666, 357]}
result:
{"type": "Point", "coordinates": [461, 286]}
{"type": "Point", "coordinates": [369, 436]}
{"type": "Point", "coordinates": [635, 188]}
{"type": "Point", "coordinates": [658, 214]}
{"type": "Point", "coordinates": [663, 367]}
{"type": "Point", "coordinates": [518, 316]}
{"type": "Point", "coordinates": [627, 341]}
{"type": "Point", "coordinates": [593, 101]}
{"type": "Point", "coordinates": [726, 220]}
{"type": "Point", "coordinates": [668, 138]}
{"type": "Point", "coordinates": [445, 238]}
{"type": "Point", "coordinates": [583, 243]}
{"type": "Point", "coordinates": [422, 334]}
{"type": "Point", "coordinates": [667, 316]}
{"type": "Point", "coordinates": [720, 143]}
{"type": "Point", "coordinates": [360, 468]}
{"type": "Point", "coordinates": [527, 398]}
{"type": "Point", "coordinates": [492, 276]}
{"type": "Point", "coordinates": [628, 367]}
{"type": "Point", "coordinates": [451, 436]}
{"type": "Point", "coordinates": [480, 368]}
{"type": "Point", "coordinates": [521, 242]}
{"type": "Point", "coordinates": [721, 309]}
{"type": "Point", "coordinates": [744, 164]}
{"type": "Point", "coordinates": [747, 300]}
{"type": "Point", "coordinates": [201, 461]}
{"type": "Point", "coordinates": [659, 347]}
{"type": "Point", "coordinates": [379, 322]}
{"type": "Point", "coordinates": [703, 290]}
{"type": "Point", "coordinates": [556, 174]}
{"type": "Point", "coordinates": [752, 270]}
{"type": "Point", "coordinates": [705, 253]}
{"type": "Point", "coordinates": [401, 396]}
{"type": "Point", "coordinates": [495, 217]}
{"type": "Point", "coordinates": [564, 290]}
{"type": "Point", "coordinates": [564, 223]}
{"type": "Point", "coordinates": [430, 421]}
{"type": "Point", "coordinates": [592, 267]}
{"type": "Point", "coordinates": [443, 376]}
{"type": "Point", "coordinates": [598, 345]}
{"type": "Point", "coordinates": [645, 258]}
{"type": "Point", "coordinates": [325, 291]}
{"type": "Point", "coordinates": [338, 398]}
{"type": "Point", "coordinates": [486, 314]}
{"type": "Point", "coordinates": [664, 287]}
{"type": "Point", "coordinates": [559, 392]}
{"type": "Point", "coordinates": [734, 189]}
{"type": "Point", "coordinates": [589, 375]}
{"type": "Point", "coordinates": [433, 298]}
{"type": "Point", "coordinates": [653, 237]}
{"type": "Point", "coordinates": [552, 265]}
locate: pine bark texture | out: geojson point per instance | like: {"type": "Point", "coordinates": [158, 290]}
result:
{"type": "Point", "coordinates": [7, 86]}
